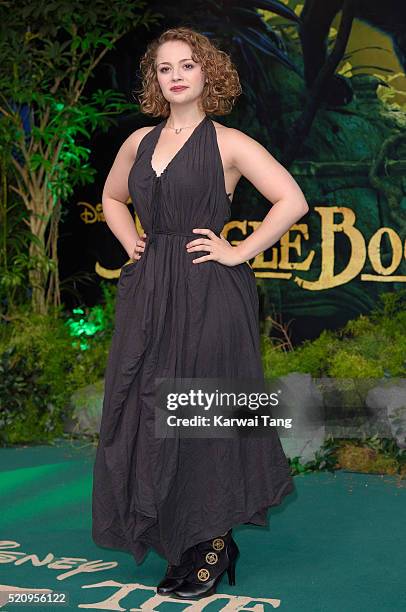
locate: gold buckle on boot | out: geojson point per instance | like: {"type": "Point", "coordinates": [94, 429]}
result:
{"type": "Point", "coordinates": [218, 544]}
{"type": "Point", "coordinates": [203, 574]}
{"type": "Point", "coordinates": [211, 558]}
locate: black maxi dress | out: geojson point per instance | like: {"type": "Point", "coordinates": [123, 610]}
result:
{"type": "Point", "coordinates": [174, 318]}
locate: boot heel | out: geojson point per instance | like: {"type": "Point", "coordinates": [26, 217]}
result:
{"type": "Point", "coordinates": [231, 572]}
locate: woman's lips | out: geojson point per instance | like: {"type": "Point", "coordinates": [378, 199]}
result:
{"type": "Point", "coordinates": [178, 88]}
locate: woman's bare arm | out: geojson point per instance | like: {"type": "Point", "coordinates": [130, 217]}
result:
{"type": "Point", "coordinates": [275, 183]}
{"type": "Point", "coordinates": [115, 193]}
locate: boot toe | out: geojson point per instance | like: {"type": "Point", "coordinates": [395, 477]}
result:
{"type": "Point", "coordinates": [167, 586]}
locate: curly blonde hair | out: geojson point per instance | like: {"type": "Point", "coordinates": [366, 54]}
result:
{"type": "Point", "coordinates": [219, 93]}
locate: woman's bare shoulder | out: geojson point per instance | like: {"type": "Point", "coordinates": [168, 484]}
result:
{"type": "Point", "coordinates": [229, 139]}
{"type": "Point", "coordinates": [230, 135]}
{"type": "Point", "coordinates": [220, 128]}
{"type": "Point", "coordinates": [142, 131]}
{"type": "Point", "coordinates": [134, 139]}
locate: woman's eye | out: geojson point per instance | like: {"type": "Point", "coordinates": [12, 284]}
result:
{"type": "Point", "coordinates": [164, 69]}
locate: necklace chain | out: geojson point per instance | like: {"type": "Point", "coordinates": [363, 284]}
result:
{"type": "Point", "coordinates": [178, 130]}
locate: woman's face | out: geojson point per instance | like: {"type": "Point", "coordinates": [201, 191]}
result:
{"type": "Point", "coordinates": [175, 68]}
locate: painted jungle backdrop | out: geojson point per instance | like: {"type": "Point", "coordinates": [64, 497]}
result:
{"type": "Point", "coordinates": [323, 90]}
{"type": "Point", "coordinates": [326, 96]}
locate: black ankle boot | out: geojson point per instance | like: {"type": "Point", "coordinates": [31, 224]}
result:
{"type": "Point", "coordinates": [175, 574]}
{"type": "Point", "coordinates": [212, 558]}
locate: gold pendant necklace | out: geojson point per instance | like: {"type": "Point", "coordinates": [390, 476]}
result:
{"type": "Point", "coordinates": [178, 130]}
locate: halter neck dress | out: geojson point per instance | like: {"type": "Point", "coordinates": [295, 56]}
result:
{"type": "Point", "coordinates": [174, 318]}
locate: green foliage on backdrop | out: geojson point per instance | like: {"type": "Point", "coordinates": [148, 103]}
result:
{"type": "Point", "coordinates": [45, 359]}
{"type": "Point", "coordinates": [370, 346]}
{"type": "Point", "coordinates": [48, 53]}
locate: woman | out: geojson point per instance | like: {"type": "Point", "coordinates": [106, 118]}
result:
{"type": "Point", "coordinates": [187, 306]}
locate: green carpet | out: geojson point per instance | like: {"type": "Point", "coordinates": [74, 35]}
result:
{"type": "Point", "coordinates": [336, 544]}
